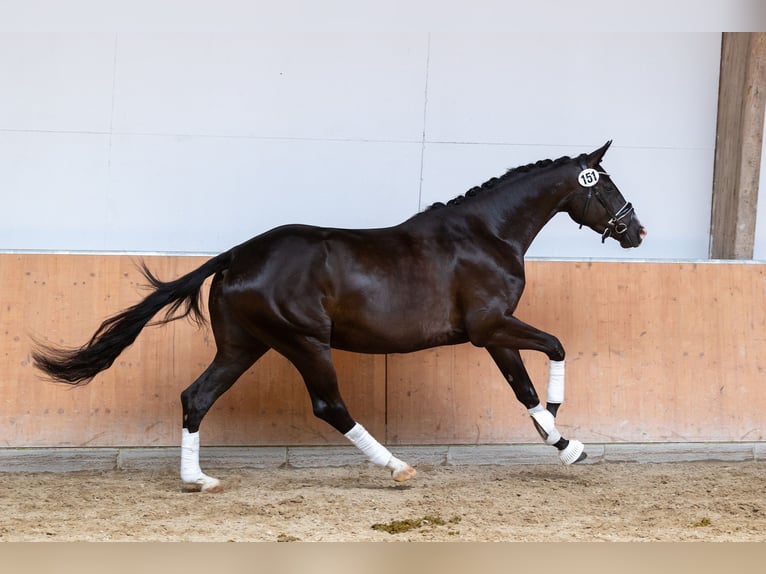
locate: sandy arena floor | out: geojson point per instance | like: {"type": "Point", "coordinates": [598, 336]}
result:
{"type": "Point", "coordinates": [601, 502]}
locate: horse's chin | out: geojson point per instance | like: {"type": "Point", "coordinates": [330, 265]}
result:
{"type": "Point", "coordinates": [633, 240]}
{"type": "Point", "coordinates": [629, 239]}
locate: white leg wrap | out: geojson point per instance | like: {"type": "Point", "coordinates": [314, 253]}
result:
{"type": "Point", "coordinates": [556, 382]}
{"type": "Point", "coordinates": [191, 473]}
{"type": "Point", "coordinates": [545, 424]}
{"type": "Point", "coordinates": [371, 448]}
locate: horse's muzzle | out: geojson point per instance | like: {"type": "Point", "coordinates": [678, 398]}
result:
{"type": "Point", "coordinates": [629, 233]}
{"type": "Point", "coordinates": [633, 236]}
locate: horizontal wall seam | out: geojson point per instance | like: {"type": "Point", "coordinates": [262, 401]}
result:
{"type": "Point", "coordinates": [420, 141]}
{"type": "Point", "coordinates": [527, 259]}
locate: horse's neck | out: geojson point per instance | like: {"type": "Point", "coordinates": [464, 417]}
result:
{"type": "Point", "coordinates": [525, 206]}
{"type": "Point", "coordinates": [514, 211]}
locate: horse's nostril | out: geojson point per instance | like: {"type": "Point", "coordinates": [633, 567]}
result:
{"type": "Point", "coordinates": [642, 232]}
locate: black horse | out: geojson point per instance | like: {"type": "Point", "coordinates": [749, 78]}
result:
{"type": "Point", "coordinates": [451, 274]}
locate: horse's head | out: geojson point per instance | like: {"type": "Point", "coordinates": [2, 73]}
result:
{"type": "Point", "coordinates": [598, 203]}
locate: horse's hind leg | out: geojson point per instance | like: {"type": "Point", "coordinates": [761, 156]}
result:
{"type": "Point", "coordinates": [196, 401]}
{"type": "Point", "coordinates": [510, 363]}
{"type": "Point", "coordinates": [314, 362]}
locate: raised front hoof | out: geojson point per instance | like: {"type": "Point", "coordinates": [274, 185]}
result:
{"type": "Point", "coordinates": [573, 453]}
{"type": "Point", "coordinates": [207, 485]}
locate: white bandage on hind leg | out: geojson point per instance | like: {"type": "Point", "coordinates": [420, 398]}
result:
{"type": "Point", "coordinates": [555, 392]}
{"type": "Point", "coordinates": [365, 442]}
{"type": "Point", "coordinates": [545, 424]}
{"type": "Point", "coordinates": [191, 473]}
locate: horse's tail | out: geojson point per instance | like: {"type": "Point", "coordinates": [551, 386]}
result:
{"type": "Point", "coordinates": [79, 366]}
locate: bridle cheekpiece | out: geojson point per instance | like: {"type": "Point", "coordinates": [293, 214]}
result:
{"type": "Point", "coordinates": [588, 178]}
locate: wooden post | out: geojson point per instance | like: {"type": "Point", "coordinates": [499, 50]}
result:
{"type": "Point", "coordinates": [739, 137]}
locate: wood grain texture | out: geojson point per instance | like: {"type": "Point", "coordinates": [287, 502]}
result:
{"type": "Point", "coordinates": [739, 140]}
{"type": "Point", "coordinates": [63, 298]}
{"type": "Point", "coordinates": [655, 352]}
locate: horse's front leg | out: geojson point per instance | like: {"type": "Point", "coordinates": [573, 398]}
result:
{"type": "Point", "coordinates": [504, 336]}
{"type": "Point", "coordinates": [511, 365]}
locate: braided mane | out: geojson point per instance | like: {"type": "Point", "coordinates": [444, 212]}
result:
{"type": "Point", "coordinates": [495, 181]}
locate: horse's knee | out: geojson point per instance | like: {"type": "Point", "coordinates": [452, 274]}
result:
{"type": "Point", "coordinates": [333, 413]}
{"type": "Point", "coordinates": [556, 350]}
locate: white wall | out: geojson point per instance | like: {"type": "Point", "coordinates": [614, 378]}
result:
{"type": "Point", "coordinates": [192, 142]}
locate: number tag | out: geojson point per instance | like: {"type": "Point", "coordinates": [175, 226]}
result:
{"type": "Point", "coordinates": [588, 177]}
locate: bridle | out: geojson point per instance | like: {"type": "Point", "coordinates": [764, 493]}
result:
{"type": "Point", "coordinates": [615, 225]}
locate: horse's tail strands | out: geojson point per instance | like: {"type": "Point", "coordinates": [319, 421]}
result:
{"type": "Point", "coordinates": [78, 366]}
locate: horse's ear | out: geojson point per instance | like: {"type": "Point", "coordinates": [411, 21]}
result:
{"type": "Point", "coordinates": [595, 158]}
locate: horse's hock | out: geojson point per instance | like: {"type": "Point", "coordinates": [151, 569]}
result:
{"type": "Point", "coordinates": [656, 352]}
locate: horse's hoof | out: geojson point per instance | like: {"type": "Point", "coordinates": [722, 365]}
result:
{"type": "Point", "coordinates": [574, 452]}
{"type": "Point", "coordinates": [206, 484]}
{"type": "Point", "coordinates": [400, 470]}
{"type": "Point", "coordinates": [403, 474]}
{"type": "Point", "coordinates": [213, 488]}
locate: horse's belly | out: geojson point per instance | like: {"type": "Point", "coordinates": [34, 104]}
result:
{"type": "Point", "coordinates": [394, 335]}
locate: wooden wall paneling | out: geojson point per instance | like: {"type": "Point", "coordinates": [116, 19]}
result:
{"type": "Point", "coordinates": [610, 350]}
{"type": "Point", "coordinates": [31, 293]}
{"type": "Point", "coordinates": [451, 395]}
{"type": "Point", "coordinates": [63, 299]}
{"type": "Point", "coordinates": [655, 352]}
{"type": "Point", "coordinates": [729, 393]}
